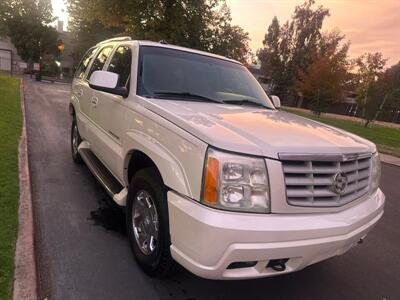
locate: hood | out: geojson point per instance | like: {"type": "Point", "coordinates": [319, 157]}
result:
{"type": "Point", "coordinates": [257, 131]}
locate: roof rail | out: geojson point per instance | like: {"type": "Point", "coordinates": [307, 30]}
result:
{"type": "Point", "coordinates": [116, 39]}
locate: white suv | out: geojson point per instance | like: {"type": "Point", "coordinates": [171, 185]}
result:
{"type": "Point", "coordinates": [211, 173]}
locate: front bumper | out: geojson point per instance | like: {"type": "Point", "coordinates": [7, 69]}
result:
{"type": "Point", "coordinates": [206, 241]}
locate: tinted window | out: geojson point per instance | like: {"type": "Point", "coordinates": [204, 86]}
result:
{"type": "Point", "coordinates": [100, 60]}
{"type": "Point", "coordinates": [121, 64]}
{"type": "Point", "coordinates": [163, 70]}
{"type": "Point", "coordinates": [80, 71]}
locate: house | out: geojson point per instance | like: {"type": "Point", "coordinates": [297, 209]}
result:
{"type": "Point", "coordinates": [9, 59]}
{"type": "Point", "coordinates": [264, 81]}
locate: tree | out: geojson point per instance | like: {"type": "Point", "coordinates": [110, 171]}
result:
{"type": "Point", "coordinates": [274, 57]}
{"type": "Point", "coordinates": [26, 23]}
{"type": "Point", "coordinates": [32, 41]}
{"type": "Point", "coordinates": [86, 34]}
{"type": "Point", "coordinates": [86, 30]}
{"type": "Point", "coordinates": [383, 90]}
{"type": "Point", "coordinates": [370, 68]}
{"type": "Point", "coordinates": [324, 79]}
{"type": "Point", "coordinates": [3, 10]}
{"type": "Point", "coordinates": [200, 24]}
{"type": "Point", "coordinates": [290, 48]}
{"type": "Point", "coordinates": [229, 40]}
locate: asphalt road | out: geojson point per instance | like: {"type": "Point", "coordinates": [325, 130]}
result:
{"type": "Point", "coordinates": [82, 251]}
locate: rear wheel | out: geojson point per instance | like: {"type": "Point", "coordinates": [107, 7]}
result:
{"type": "Point", "coordinates": [147, 223]}
{"type": "Point", "coordinates": [75, 141]}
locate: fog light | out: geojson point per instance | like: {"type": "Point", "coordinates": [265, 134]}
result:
{"type": "Point", "coordinates": [241, 264]}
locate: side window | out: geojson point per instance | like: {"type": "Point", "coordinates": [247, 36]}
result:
{"type": "Point", "coordinates": [121, 64]}
{"type": "Point", "coordinates": [81, 70]}
{"type": "Point", "coordinates": [100, 60]}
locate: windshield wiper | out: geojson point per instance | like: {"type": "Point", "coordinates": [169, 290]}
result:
{"type": "Point", "coordinates": [246, 101]}
{"type": "Point", "coordinates": [185, 95]}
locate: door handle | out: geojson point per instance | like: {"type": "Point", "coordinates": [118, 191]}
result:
{"type": "Point", "coordinates": [95, 101]}
{"type": "Point", "coordinates": [79, 92]}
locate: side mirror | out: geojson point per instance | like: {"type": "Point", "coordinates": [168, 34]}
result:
{"type": "Point", "coordinates": [276, 101]}
{"type": "Point", "coordinates": [107, 82]}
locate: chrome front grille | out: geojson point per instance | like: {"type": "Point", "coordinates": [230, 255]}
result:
{"type": "Point", "coordinates": [317, 180]}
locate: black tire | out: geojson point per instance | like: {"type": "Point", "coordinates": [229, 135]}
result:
{"type": "Point", "coordinates": [76, 157]}
{"type": "Point", "coordinates": [158, 263]}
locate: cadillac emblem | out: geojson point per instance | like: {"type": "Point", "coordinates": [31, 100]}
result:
{"type": "Point", "coordinates": [339, 183]}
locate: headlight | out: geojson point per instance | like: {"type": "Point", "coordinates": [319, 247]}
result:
{"type": "Point", "coordinates": [375, 172]}
{"type": "Point", "coordinates": [235, 182]}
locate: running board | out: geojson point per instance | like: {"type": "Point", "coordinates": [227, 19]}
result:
{"type": "Point", "coordinates": [103, 175]}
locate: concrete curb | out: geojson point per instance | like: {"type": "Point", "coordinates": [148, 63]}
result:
{"type": "Point", "coordinates": [388, 159]}
{"type": "Point", "coordinates": [25, 283]}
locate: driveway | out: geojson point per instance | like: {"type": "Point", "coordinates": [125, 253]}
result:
{"type": "Point", "coordinates": [82, 251]}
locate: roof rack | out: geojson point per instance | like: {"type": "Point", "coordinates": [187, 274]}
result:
{"type": "Point", "coordinates": [116, 39]}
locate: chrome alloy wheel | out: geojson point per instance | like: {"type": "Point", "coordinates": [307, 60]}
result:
{"type": "Point", "coordinates": [145, 222]}
{"type": "Point", "coordinates": [75, 139]}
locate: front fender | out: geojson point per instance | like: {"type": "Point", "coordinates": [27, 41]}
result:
{"type": "Point", "coordinates": [171, 170]}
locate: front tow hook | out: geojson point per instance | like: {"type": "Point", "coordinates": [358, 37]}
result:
{"type": "Point", "coordinates": [278, 265]}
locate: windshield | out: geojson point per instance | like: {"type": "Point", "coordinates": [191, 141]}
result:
{"type": "Point", "coordinates": [169, 73]}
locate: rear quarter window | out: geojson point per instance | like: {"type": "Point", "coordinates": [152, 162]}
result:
{"type": "Point", "coordinates": [83, 65]}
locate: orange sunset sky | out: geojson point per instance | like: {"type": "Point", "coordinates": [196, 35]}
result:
{"type": "Point", "coordinates": [370, 25]}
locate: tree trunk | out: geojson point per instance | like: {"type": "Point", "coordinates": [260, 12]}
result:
{"type": "Point", "coordinates": [383, 103]}
{"type": "Point", "coordinates": [364, 105]}
{"type": "Point", "coordinates": [380, 107]}
{"type": "Point", "coordinates": [300, 102]}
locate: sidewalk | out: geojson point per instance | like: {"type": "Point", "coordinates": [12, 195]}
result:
{"type": "Point", "coordinates": [343, 117]}
{"type": "Point", "coordinates": [388, 159]}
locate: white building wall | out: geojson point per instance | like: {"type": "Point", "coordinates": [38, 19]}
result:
{"type": "Point", "coordinates": [6, 44]}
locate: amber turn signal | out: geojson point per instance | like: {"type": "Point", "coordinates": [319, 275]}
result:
{"type": "Point", "coordinates": [211, 181]}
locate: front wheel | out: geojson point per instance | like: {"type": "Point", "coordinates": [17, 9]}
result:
{"type": "Point", "coordinates": [147, 223]}
{"type": "Point", "coordinates": [75, 141]}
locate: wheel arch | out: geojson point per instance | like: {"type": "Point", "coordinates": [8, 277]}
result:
{"type": "Point", "coordinates": [145, 152]}
{"type": "Point", "coordinates": [138, 160]}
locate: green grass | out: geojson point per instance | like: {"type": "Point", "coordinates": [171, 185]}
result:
{"type": "Point", "coordinates": [10, 129]}
{"type": "Point", "coordinates": [387, 139]}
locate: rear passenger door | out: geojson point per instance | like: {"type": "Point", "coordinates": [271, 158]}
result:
{"type": "Point", "coordinates": [110, 110]}
{"type": "Point", "coordinates": [98, 63]}
{"type": "Point", "coordinates": [81, 92]}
